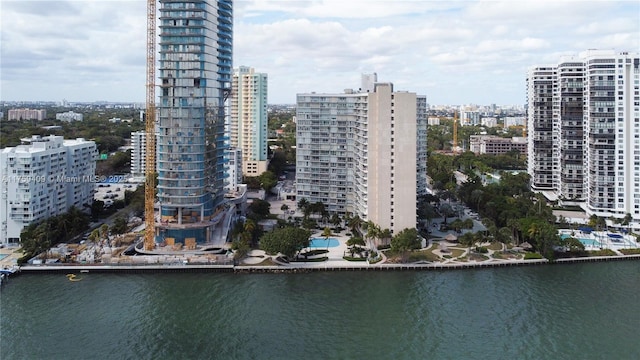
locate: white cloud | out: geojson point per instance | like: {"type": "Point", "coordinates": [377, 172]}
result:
{"type": "Point", "coordinates": [452, 51]}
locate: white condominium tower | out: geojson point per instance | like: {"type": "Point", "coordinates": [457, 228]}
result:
{"type": "Point", "coordinates": [584, 132]}
{"type": "Point", "coordinates": [248, 123]}
{"type": "Point", "coordinates": [44, 177]}
{"type": "Point", "coordinates": [138, 154]}
{"type": "Point", "coordinates": [363, 152]}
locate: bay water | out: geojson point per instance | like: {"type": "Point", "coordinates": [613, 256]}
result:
{"type": "Point", "coordinates": [578, 311]}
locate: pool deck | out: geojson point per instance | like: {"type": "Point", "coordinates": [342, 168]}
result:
{"type": "Point", "coordinates": [603, 238]}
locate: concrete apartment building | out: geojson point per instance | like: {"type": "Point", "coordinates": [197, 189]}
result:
{"type": "Point", "coordinates": [584, 132]}
{"type": "Point", "coordinates": [542, 162]}
{"type": "Point", "coordinates": [27, 114]}
{"type": "Point", "coordinates": [234, 169]}
{"type": "Point", "coordinates": [495, 145]}
{"type": "Point", "coordinates": [249, 119]}
{"type": "Point", "coordinates": [44, 177]}
{"type": "Point", "coordinates": [469, 117]}
{"type": "Point", "coordinates": [363, 152]}
{"type": "Point", "coordinates": [195, 69]}
{"type": "Point", "coordinates": [138, 154]}
{"type": "Point", "coordinates": [69, 116]}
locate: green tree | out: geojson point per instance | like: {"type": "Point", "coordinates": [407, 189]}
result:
{"type": "Point", "coordinates": [467, 240]}
{"type": "Point", "coordinates": [385, 236]}
{"type": "Point", "coordinates": [308, 223]}
{"type": "Point", "coordinates": [373, 232]}
{"type": "Point", "coordinates": [268, 180]}
{"type": "Point", "coordinates": [573, 244]}
{"type": "Point", "coordinates": [336, 220]}
{"type": "Point", "coordinates": [355, 224]}
{"type": "Point", "coordinates": [261, 208]}
{"type": "Point", "coordinates": [627, 221]}
{"type": "Point", "coordinates": [405, 240]}
{"type": "Point", "coordinates": [326, 233]}
{"type": "Point", "coordinates": [119, 225]}
{"type": "Point", "coordinates": [354, 243]}
{"type": "Point", "coordinates": [287, 241]}
{"type": "Point", "coordinates": [284, 209]}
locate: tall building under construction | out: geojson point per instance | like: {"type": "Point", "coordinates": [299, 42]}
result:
{"type": "Point", "coordinates": [195, 69]}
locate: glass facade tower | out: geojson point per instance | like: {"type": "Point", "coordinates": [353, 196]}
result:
{"type": "Point", "coordinates": [195, 69]}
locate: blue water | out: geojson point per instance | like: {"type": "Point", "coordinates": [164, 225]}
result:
{"type": "Point", "coordinates": [2, 256]}
{"type": "Point", "coordinates": [590, 242]}
{"type": "Point", "coordinates": [323, 243]}
{"type": "Point", "coordinates": [585, 242]}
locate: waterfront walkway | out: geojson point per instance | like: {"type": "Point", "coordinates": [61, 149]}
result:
{"type": "Point", "coordinates": [438, 254]}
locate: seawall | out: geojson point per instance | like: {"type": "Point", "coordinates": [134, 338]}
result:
{"type": "Point", "coordinates": [203, 268]}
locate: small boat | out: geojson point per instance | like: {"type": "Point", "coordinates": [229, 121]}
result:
{"type": "Point", "coordinates": [73, 277]}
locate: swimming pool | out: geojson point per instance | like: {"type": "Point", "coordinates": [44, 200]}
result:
{"type": "Point", "coordinates": [590, 242]}
{"type": "Point", "coordinates": [323, 243]}
{"type": "Point", "coordinates": [2, 256]}
{"type": "Point", "coordinates": [585, 242]}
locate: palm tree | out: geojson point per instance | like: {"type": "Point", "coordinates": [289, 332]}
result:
{"type": "Point", "coordinates": [373, 232]}
{"type": "Point", "coordinates": [324, 216]}
{"type": "Point", "coordinates": [354, 224]}
{"type": "Point", "coordinates": [336, 220]}
{"type": "Point", "coordinates": [303, 204]}
{"type": "Point", "coordinates": [627, 221]}
{"type": "Point", "coordinates": [386, 235]}
{"type": "Point", "coordinates": [505, 235]}
{"type": "Point", "coordinates": [514, 224]}
{"type": "Point", "coordinates": [477, 196]}
{"type": "Point", "coordinates": [284, 209]}
{"type": "Point", "coordinates": [326, 233]}
{"type": "Point", "coordinates": [353, 244]}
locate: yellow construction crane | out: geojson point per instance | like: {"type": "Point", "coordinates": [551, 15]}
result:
{"type": "Point", "coordinates": [150, 163]}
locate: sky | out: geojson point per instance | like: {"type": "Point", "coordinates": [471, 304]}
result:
{"type": "Point", "coordinates": [454, 52]}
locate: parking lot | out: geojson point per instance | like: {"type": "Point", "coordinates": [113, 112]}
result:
{"type": "Point", "coordinates": [110, 192]}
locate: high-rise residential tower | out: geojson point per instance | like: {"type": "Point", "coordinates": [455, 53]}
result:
{"type": "Point", "coordinates": [612, 133]}
{"type": "Point", "coordinates": [588, 151]}
{"type": "Point", "coordinates": [248, 122]}
{"type": "Point", "coordinates": [542, 163]}
{"type": "Point", "coordinates": [195, 66]}
{"type": "Point", "coordinates": [363, 152]}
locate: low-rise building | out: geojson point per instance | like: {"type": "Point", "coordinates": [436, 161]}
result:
{"type": "Point", "coordinates": [495, 145]}
{"type": "Point", "coordinates": [69, 116]}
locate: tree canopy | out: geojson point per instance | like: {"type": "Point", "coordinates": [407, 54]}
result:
{"type": "Point", "coordinates": [287, 241]}
{"type": "Point", "coordinates": [405, 240]}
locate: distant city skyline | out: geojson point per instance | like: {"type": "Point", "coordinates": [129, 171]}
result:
{"type": "Point", "coordinates": [455, 52]}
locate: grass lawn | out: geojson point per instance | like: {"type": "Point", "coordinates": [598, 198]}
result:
{"type": "Point", "coordinates": [418, 255]}
{"type": "Point", "coordinates": [478, 257]}
{"type": "Point", "coordinates": [603, 252]}
{"type": "Point", "coordinates": [630, 251]}
{"type": "Point", "coordinates": [506, 255]}
{"type": "Point", "coordinates": [456, 252]}
{"type": "Point", "coordinates": [423, 255]}
{"type": "Point", "coordinates": [496, 246]}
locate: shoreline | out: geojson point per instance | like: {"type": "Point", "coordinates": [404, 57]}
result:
{"type": "Point", "coordinates": [244, 269]}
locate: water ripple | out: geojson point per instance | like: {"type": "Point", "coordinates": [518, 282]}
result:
{"type": "Point", "coordinates": [581, 311]}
